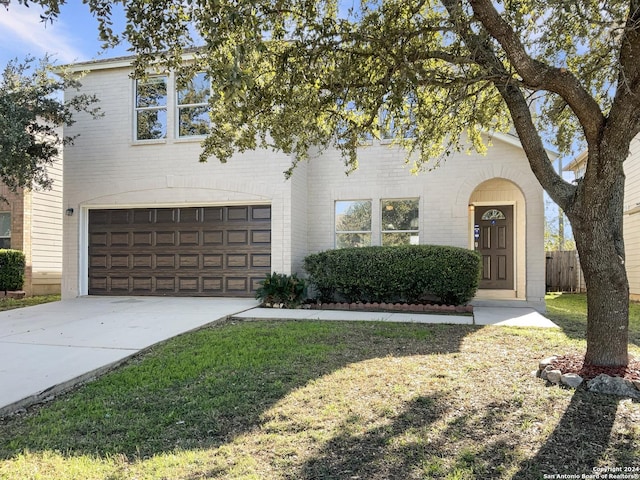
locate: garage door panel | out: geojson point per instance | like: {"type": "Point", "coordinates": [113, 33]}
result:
{"type": "Point", "coordinates": [261, 213]}
{"type": "Point", "coordinates": [188, 284]}
{"type": "Point", "coordinates": [141, 216]}
{"type": "Point", "coordinates": [98, 239]}
{"type": "Point", "coordinates": [165, 284]}
{"type": "Point", "coordinates": [118, 217]}
{"type": "Point", "coordinates": [166, 261]}
{"type": "Point", "coordinates": [144, 260]}
{"type": "Point", "coordinates": [98, 261]}
{"type": "Point", "coordinates": [166, 239]}
{"type": "Point", "coordinates": [118, 239]}
{"type": "Point", "coordinates": [214, 260]}
{"type": "Point", "coordinates": [213, 237]}
{"type": "Point", "coordinates": [261, 236]}
{"type": "Point", "coordinates": [214, 251]}
{"type": "Point", "coordinates": [236, 284]}
{"type": "Point", "coordinates": [119, 261]}
{"type": "Point", "coordinates": [188, 261]}
{"type": "Point", "coordinates": [238, 214]}
{"type": "Point", "coordinates": [118, 284]}
{"type": "Point", "coordinates": [188, 238]}
{"type": "Point", "coordinates": [260, 260]}
{"type": "Point", "coordinates": [213, 215]}
{"type": "Point", "coordinates": [165, 215]}
{"type": "Point", "coordinates": [188, 215]}
{"type": "Point", "coordinates": [141, 284]}
{"type": "Point", "coordinates": [142, 239]}
{"type": "Point", "coordinates": [212, 285]}
{"type": "Point", "coordinates": [237, 260]}
{"type": "Point", "coordinates": [237, 237]}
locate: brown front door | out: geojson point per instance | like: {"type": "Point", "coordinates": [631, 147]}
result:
{"type": "Point", "coordinates": [494, 240]}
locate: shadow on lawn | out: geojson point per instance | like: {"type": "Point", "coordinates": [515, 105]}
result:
{"type": "Point", "coordinates": [209, 409]}
{"type": "Point", "coordinates": [580, 439]}
{"type": "Point", "coordinates": [574, 447]}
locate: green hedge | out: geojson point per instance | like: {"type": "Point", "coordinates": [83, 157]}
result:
{"type": "Point", "coordinates": [12, 265]}
{"type": "Point", "coordinates": [409, 273]}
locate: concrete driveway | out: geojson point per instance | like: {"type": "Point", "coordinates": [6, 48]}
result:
{"type": "Point", "coordinates": [47, 348]}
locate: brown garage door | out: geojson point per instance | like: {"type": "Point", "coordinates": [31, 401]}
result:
{"type": "Point", "coordinates": [204, 251]}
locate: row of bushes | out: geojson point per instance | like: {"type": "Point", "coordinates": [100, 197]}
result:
{"type": "Point", "coordinates": [411, 273]}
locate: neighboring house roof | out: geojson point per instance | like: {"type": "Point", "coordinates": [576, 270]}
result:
{"type": "Point", "coordinates": [578, 163]}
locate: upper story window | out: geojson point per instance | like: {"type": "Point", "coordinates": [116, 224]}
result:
{"type": "Point", "coordinates": [151, 108]}
{"type": "Point", "coordinates": [5, 230]}
{"type": "Point", "coordinates": [353, 223]}
{"type": "Point", "coordinates": [193, 106]}
{"type": "Point", "coordinates": [400, 221]}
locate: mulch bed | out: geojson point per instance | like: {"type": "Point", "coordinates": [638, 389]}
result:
{"type": "Point", "coordinates": [574, 363]}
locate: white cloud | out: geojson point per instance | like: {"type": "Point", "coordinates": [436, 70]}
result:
{"type": "Point", "coordinates": [24, 33]}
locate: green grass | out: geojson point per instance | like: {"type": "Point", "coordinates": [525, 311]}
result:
{"type": "Point", "coordinates": [11, 303]}
{"type": "Point", "coordinates": [330, 400]}
{"type": "Point", "coordinates": [569, 311]}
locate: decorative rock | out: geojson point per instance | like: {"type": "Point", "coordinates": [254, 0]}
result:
{"type": "Point", "coordinates": [546, 362]}
{"type": "Point", "coordinates": [572, 380]}
{"type": "Point", "coordinates": [637, 384]}
{"type": "Point", "coordinates": [613, 386]}
{"type": "Point", "coordinates": [554, 376]}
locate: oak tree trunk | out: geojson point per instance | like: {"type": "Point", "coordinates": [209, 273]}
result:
{"type": "Point", "coordinates": [597, 227]}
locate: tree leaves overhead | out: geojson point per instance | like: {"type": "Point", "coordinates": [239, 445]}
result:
{"type": "Point", "coordinates": [31, 114]}
{"type": "Point", "coordinates": [299, 73]}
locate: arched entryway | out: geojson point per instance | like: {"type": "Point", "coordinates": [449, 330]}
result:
{"type": "Point", "coordinates": [497, 221]}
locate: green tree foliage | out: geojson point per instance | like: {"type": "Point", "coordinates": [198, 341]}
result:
{"type": "Point", "coordinates": [295, 75]}
{"type": "Point", "coordinates": [31, 114]}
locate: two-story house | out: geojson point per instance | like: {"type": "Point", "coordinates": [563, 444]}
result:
{"type": "Point", "coordinates": [146, 218]}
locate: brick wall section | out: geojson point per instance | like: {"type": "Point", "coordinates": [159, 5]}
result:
{"type": "Point", "coordinates": [104, 168]}
{"type": "Point", "coordinates": [15, 204]}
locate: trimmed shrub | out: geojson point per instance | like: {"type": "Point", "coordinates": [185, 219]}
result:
{"type": "Point", "coordinates": [281, 290]}
{"type": "Point", "coordinates": [12, 265]}
{"type": "Point", "coordinates": [408, 273]}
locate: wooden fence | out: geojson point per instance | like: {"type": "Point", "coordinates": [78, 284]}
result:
{"type": "Point", "coordinates": [563, 272]}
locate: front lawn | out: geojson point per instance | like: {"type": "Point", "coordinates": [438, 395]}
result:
{"type": "Point", "coordinates": [329, 400]}
{"type": "Point", "coordinates": [7, 303]}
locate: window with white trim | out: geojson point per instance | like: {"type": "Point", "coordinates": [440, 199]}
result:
{"type": "Point", "coordinates": [353, 223]}
{"type": "Point", "coordinates": [400, 221]}
{"type": "Point", "coordinates": [193, 106]}
{"type": "Point", "coordinates": [151, 108]}
{"type": "Point", "coordinates": [5, 230]}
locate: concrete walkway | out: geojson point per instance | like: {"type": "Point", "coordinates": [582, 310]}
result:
{"type": "Point", "coordinates": [500, 316]}
{"type": "Point", "coordinates": [48, 348]}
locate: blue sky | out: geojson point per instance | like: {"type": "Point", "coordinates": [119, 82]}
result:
{"type": "Point", "coordinates": [73, 37]}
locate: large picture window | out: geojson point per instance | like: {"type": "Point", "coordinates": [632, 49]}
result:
{"type": "Point", "coordinates": [353, 223]}
{"type": "Point", "coordinates": [400, 221]}
{"type": "Point", "coordinates": [151, 108]}
{"type": "Point", "coordinates": [5, 230]}
{"type": "Point", "coordinates": [193, 106]}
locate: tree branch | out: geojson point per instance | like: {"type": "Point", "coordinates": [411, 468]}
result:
{"type": "Point", "coordinates": [537, 75]}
